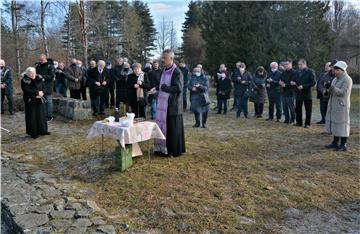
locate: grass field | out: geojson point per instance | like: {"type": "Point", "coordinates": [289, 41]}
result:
{"type": "Point", "coordinates": [239, 175]}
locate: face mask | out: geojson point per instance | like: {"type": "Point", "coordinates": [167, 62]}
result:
{"type": "Point", "coordinates": [197, 74]}
{"type": "Point", "coordinates": [273, 69]}
{"type": "Point", "coordinates": [242, 70]}
{"type": "Point", "coordinates": [78, 65]}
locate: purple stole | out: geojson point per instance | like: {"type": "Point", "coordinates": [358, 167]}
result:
{"type": "Point", "coordinates": [161, 110]}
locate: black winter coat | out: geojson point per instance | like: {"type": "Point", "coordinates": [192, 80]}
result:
{"type": "Point", "coordinates": [47, 71]}
{"type": "Point", "coordinates": [287, 76]}
{"type": "Point", "coordinates": [131, 90]}
{"type": "Point", "coordinates": [6, 78]}
{"type": "Point", "coordinates": [306, 78]}
{"type": "Point", "coordinates": [239, 88]}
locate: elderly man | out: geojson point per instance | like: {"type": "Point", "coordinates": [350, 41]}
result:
{"type": "Point", "coordinates": [6, 87]}
{"type": "Point", "coordinates": [323, 81]}
{"type": "Point", "coordinates": [338, 112]}
{"type": "Point", "coordinates": [83, 83]}
{"type": "Point", "coordinates": [46, 69]}
{"type": "Point", "coordinates": [303, 83]}
{"type": "Point", "coordinates": [98, 83]}
{"type": "Point", "coordinates": [242, 80]}
{"type": "Point", "coordinates": [170, 108]}
{"type": "Point", "coordinates": [273, 91]}
{"type": "Point", "coordinates": [74, 75]}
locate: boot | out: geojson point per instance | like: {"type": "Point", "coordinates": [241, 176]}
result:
{"type": "Point", "coordinates": [334, 144]}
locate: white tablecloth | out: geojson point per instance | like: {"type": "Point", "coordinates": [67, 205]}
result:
{"type": "Point", "coordinates": [141, 131]}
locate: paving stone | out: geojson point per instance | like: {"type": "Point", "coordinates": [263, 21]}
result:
{"type": "Point", "coordinates": [30, 220]}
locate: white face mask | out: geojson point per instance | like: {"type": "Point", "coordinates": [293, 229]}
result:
{"type": "Point", "coordinates": [197, 74]}
{"type": "Point", "coordinates": [242, 70]}
{"type": "Point", "coordinates": [273, 69]}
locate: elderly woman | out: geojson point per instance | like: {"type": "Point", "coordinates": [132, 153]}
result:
{"type": "Point", "coordinates": [259, 83]}
{"type": "Point", "coordinates": [34, 97]}
{"type": "Point", "coordinates": [338, 112]}
{"type": "Point", "coordinates": [138, 85]}
{"type": "Point", "coordinates": [198, 86]}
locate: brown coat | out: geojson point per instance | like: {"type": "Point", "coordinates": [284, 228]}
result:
{"type": "Point", "coordinates": [72, 73]}
{"type": "Point", "coordinates": [338, 111]}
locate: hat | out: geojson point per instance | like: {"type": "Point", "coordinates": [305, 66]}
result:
{"type": "Point", "coordinates": [333, 62]}
{"type": "Point", "coordinates": [341, 65]}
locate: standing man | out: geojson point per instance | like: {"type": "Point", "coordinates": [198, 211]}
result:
{"type": "Point", "coordinates": [170, 108]}
{"type": "Point", "coordinates": [6, 87]}
{"type": "Point", "coordinates": [74, 75]}
{"type": "Point", "coordinates": [154, 80]}
{"type": "Point", "coordinates": [185, 71]}
{"type": "Point", "coordinates": [303, 83]}
{"type": "Point", "coordinates": [83, 83]}
{"type": "Point", "coordinates": [325, 80]}
{"type": "Point", "coordinates": [273, 91]}
{"type": "Point", "coordinates": [98, 84]}
{"type": "Point", "coordinates": [338, 112]}
{"type": "Point", "coordinates": [287, 91]}
{"type": "Point", "coordinates": [242, 80]}
{"type": "Point", "coordinates": [46, 69]}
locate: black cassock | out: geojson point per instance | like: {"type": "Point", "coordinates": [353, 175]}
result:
{"type": "Point", "coordinates": [35, 110]}
{"type": "Point", "coordinates": [175, 136]}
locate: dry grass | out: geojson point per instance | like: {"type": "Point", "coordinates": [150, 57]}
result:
{"type": "Point", "coordinates": [235, 168]}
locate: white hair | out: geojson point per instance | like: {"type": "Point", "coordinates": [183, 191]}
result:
{"type": "Point", "coordinates": [274, 64]}
{"type": "Point", "coordinates": [101, 62]}
{"type": "Point", "coordinates": [29, 69]}
{"type": "Point", "coordinates": [2, 62]}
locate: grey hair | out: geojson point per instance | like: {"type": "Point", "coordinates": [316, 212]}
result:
{"type": "Point", "coordinates": [29, 69]}
{"type": "Point", "coordinates": [101, 62]}
{"type": "Point", "coordinates": [274, 64]}
{"type": "Point", "coordinates": [169, 52]}
{"type": "Point", "coordinates": [135, 65]}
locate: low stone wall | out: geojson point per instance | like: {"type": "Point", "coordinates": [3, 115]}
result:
{"type": "Point", "coordinates": [72, 108]}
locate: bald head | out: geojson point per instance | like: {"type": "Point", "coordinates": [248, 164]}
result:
{"type": "Point", "coordinates": [42, 58]}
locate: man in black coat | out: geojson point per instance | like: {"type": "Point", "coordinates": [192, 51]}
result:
{"type": "Point", "coordinates": [98, 84]}
{"type": "Point", "coordinates": [303, 83]}
{"type": "Point", "coordinates": [287, 91]}
{"type": "Point", "coordinates": [273, 91]}
{"type": "Point", "coordinates": [83, 82]}
{"type": "Point", "coordinates": [242, 80]}
{"type": "Point", "coordinates": [46, 69]}
{"type": "Point", "coordinates": [323, 82]}
{"type": "Point", "coordinates": [154, 80]}
{"type": "Point", "coordinates": [119, 75]}
{"type": "Point", "coordinates": [6, 87]}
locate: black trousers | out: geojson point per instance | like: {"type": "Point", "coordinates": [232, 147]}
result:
{"type": "Point", "coordinates": [323, 108]}
{"type": "Point", "coordinates": [9, 99]}
{"type": "Point", "coordinates": [259, 108]}
{"type": "Point", "coordinates": [298, 111]}
{"type": "Point", "coordinates": [110, 95]}
{"type": "Point", "coordinates": [276, 102]}
{"type": "Point", "coordinates": [139, 111]}
{"type": "Point", "coordinates": [83, 92]}
{"type": "Point", "coordinates": [203, 117]}
{"type": "Point", "coordinates": [75, 93]}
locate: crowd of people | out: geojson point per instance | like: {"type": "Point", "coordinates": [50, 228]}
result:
{"type": "Point", "coordinates": [133, 88]}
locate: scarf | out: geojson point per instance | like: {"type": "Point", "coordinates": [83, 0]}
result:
{"type": "Point", "coordinates": [140, 91]}
{"type": "Point", "coordinates": [162, 107]}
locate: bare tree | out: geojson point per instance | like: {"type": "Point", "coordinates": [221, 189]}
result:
{"type": "Point", "coordinates": [83, 27]}
{"type": "Point", "coordinates": [43, 7]}
{"type": "Point", "coordinates": [14, 24]}
{"type": "Point", "coordinates": [166, 35]}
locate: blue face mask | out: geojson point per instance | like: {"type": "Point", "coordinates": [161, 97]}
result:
{"type": "Point", "coordinates": [197, 74]}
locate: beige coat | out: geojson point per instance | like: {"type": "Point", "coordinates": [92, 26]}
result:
{"type": "Point", "coordinates": [338, 112]}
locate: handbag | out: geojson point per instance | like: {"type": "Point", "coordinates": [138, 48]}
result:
{"type": "Point", "coordinates": [205, 99]}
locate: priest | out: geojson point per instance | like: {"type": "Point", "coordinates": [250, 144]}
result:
{"type": "Point", "coordinates": [170, 108]}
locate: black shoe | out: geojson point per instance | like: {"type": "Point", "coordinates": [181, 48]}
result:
{"type": "Point", "coordinates": [320, 122]}
{"type": "Point", "coordinates": [34, 137]}
{"type": "Point", "coordinates": [204, 126]}
{"type": "Point", "coordinates": [269, 119]}
{"type": "Point", "coordinates": [341, 148]}
{"type": "Point", "coordinates": [50, 119]}
{"type": "Point", "coordinates": [297, 125]}
{"type": "Point", "coordinates": [224, 112]}
{"type": "Point", "coordinates": [219, 112]}
{"type": "Point", "coordinates": [196, 125]}
{"type": "Point", "coordinates": [259, 116]}
{"type": "Point", "coordinates": [277, 120]}
{"type": "Point", "coordinates": [286, 122]}
{"type": "Point", "coordinates": [306, 126]}
{"type": "Point", "coordinates": [333, 145]}
{"type": "Point", "coordinates": [246, 117]}
{"type": "Point", "coordinates": [46, 133]}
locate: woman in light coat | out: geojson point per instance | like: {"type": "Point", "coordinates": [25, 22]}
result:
{"type": "Point", "coordinates": [338, 112]}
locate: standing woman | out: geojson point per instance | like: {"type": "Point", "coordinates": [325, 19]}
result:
{"type": "Point", "coordinates": [198, 86]}
{"type": "Point", "coordinates": [338, 111]}
{"type": "Point", "coordinates": [34, 97]}
{"type": "Point", "coordinates": [259, 83]}
{"type": "Point", "coordinates": [138, 85]}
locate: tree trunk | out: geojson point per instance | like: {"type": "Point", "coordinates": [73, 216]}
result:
{"type": "Point", "coordinates": [81, 10]}
{"type": "Point", "coordinates": [14, 24]}
{"type": "Point", "coordinates": [42, 26]}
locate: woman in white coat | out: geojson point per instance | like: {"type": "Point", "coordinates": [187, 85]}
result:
{"type": "Point", "coordinates": [338, 112]}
